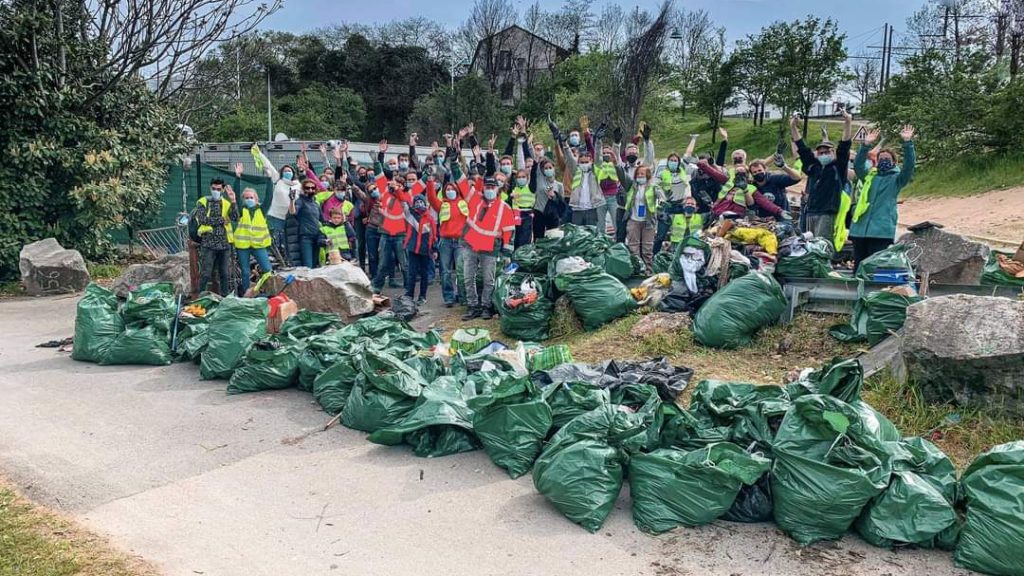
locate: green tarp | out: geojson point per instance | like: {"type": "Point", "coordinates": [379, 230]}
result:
{"type": "Point", "coordinates": [731, 317]}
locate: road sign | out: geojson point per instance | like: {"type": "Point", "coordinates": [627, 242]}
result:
{"type": "Point", "coordinates": [861, 135]}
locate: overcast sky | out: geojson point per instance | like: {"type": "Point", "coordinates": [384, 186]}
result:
{"type": "Point", "coordinates": [862, 20]}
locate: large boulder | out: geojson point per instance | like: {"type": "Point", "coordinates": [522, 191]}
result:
{"type": "Point", "coordinates": [342, 289]}
{"type": "Point", "coordinates": [49, 268]}
{"type": "Point", "coordinates": [172, 268]}
{"type": "Point", "coordinates": [967, 350]}
{"type": "Point", "coordinates": [948, 258]}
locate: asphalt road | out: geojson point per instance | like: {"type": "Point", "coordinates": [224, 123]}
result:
{"type": "Point", "coordinates": [198, 482]}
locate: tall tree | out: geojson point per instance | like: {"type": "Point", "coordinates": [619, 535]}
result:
{"type": "Point", "coordinates": [637, 65]}
{"type": "Point", "coordinates": [809, 68]}
{"type": "Point", "coordinates": [570, 25]}
{"type": "Point", "coordinates": [753, 59]}
{"type": "Point", "coordinates": [693, 37]}
{"type": "Point", "coordinates": [864, 78]}
{"type": "Point", "coordinates": [715, 83]}
{"type": "Point", "coordinates": [608, 32]}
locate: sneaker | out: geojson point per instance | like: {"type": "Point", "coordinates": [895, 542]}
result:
{"type": "Point", "coordinates": [421, 301]}
{"type": "Point", "coordinates": [472, 313]}
{"type": "Point", "coordinates": [487, 313]}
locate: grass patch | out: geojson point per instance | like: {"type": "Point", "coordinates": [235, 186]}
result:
{"type": "Point", "coordinates": [961, 433]}
{"type": "Point", "coordinates": [36, 542]}
{"type": "Point", "coordinates": [11, 288]}
{"type": "Point", "coordinates": [105, 271]}
{"type": "Point", "coordinates": [967, 176]}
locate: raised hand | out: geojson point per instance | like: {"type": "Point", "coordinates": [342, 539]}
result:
{"type": "Point", "coordinates": [871, 137]}
{"type": "Point", "coordinates": [413, 139]}
{"type": "Point", "coordinates": [433, 148]}
{"type": "Point", "coordinates": [584, 123]}
{"type": "Point", "coordinates": [645, 130]}
{"type": "Point", "coordinates": [491, 141]}
{"type": "Point", "coordinates": [383, 146]}
{"type": "Point", "coordinates": [229, 192]}
{"type": "Point", "coordinates": [723, 133]}
{"type": "Point", "coordinates": [907, 133]}
{"type": "Point", "coordinates": [337, 153]}
{"type": "Point", "coordinates": [302, 163]}
{"type": "Point", "coordinates": [448, 140]}
{"type": "Point", "coordinates": [617, 135]}
{"type": "Point", "coordinates": [323, 149]}
{"type": "Point", "coordinates": [344, 147]}
{"type": "Point", "coordinates": [238, 169]}
{"type": "Point", "coordinates": [847, 117]}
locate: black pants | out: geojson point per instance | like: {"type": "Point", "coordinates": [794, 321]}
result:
{"type": "Point", "coordinates": [360, 241]}
{"type": "Point", "coordinates": [620, 224]}
{"type": "Point", "coordinates": [864, 247]}
{"type": "Point", "coordinates": [210, 260]}
{"type": "Point", "coordinates": [524, 231]}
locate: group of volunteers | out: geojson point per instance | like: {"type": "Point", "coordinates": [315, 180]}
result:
{"type": "Point", "coordinates": [460, 214]}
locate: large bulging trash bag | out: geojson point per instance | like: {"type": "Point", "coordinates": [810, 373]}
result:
{"type": "Point", "coordinates": [512, 421]}
{"type": "Point", "coordinates": [306, 323]}
{"type": "Point", "coordinates": [993, 535]}
{"type": "Point", "coordinates": [596, 296]}
{"type": "Point", "coordinates": [730, 318]}
{"type": "Point", "coordinates": [151, 304]}
{"type": "Point", "coordinates": [661, 262]}
{"type": "Point", "coordinates": [681, 428]}
{"type": "Point", "coordinates": [751, 412]}
{"type": "Point", "coordinates": [321, 351]}
{"type": "Point", "coordinates": [528, 321]}
{"type": "Point", "coordinates": [139, 345]}
{"type": "Point", "coordinates": [618, 262]}
{"type": "Point", "coordinates": [570, 399]}
{"type": "Point", "coordinates": [440, 424]}
{"type": "Point", "coordinates": [384, 393]}
{"type": "Point", "coordinates": [813, 259]}
{"type": "Point", "coordinates": [97, 324]}
{"type": "Point", "coordinates": [892, 259]}
{"type": "Point", "coordinates": [268, 365]}
{"type": "Point", "coordinates": [580, 471]}
{"type": "Point", "coordinates": [531, 258]}
{"type": "Point", "coordinates": [827, 467]}
{"type": "Point", "coordinates": [237, 323]}
{"type": "Point", "coordinates": [840, 378]}
{"type": "Point", "coordinates": [672, 488]}
{"type": "Point", "coordinates": [917, 507]}
{"type": "Point", "coordinates": [874, 316]}
{"type": "Point", "coordinates": [332, 387]}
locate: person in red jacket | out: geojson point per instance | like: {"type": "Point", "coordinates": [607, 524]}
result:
{"type": "Point", "coordinates": [396, 196]}
{"type": "Point", "coordinates": [451, 209]}
{"type": "Point", "coordinates": [488, 233]}
{"type": "Point", "coordinates": [419, 243]}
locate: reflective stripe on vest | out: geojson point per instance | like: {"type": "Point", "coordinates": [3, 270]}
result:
{"type": "Point", "coordinates": [252, 231]}
{"type": "Point", "coordinates": [497, 222]}
{"type": "Point", "coordinates": [446, 210]}
{"type": "Point", "coordinates": [225, 210]}
{"type": "Point", "coordinates": [739, 197]}
{"type": "Point", "coordinates": [322, 197]}
{"type": "Point", "coordinates": [524, 197]}
{"type": "Point", "coordinates": [681, 228]}
{"type": "Point", "coordinates": [839, 230]}
{"type": "Point", "coordinates": [863, 201]}
{"type": "Point", "coordinates": [337, 236]}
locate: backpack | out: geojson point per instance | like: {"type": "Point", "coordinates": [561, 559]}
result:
{"type": "Point", "coordinates": [193, 225]}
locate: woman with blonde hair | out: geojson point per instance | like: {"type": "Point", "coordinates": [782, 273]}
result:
{"type": "Point", "coordinates": [641, 208]}
{"type": "Point", "coordinates": [252, 237]}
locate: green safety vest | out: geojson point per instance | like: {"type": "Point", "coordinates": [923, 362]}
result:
{"type": "Point", "coordinates": [606, 171]}
{"type": "Point", "coordinates": [738, 197]}
{"type": "Point", "coordinates": [446, 210]}
{"type": "Point", "coordinates": [338, 238]}
{"type": "Point", "coordinates": [863, 203]}
{"type": "Point", "coordinates": [524, 197]}
{"type": "Point", "coordinates": [252, 231]}
{"type": "Point", "coordinates": [681, 227]}
{"type": "Point", "coordinates": [650, 200]}
{"type": "Point", "coordinates": [225, 210]}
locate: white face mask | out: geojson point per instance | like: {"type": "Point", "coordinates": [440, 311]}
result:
{"type": "Point", "coordinates": [585, 167]}
{"type": "Point", "coordinates": [490, 193]}
{"type": "Point", "coordinates": [641, 180]}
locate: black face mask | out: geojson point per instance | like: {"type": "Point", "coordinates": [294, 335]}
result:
{"type": "Point", "coordinates": [363, 178]}
{"type": "Point", "coordinates": [740, 181]}
{"type": "Point", "coordinates": [631, 158]}
{"type": "Point", "coordinates": [760, 177]}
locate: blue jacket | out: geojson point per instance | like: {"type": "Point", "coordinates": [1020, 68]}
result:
{"type": "Point", "coordinates": [880, 219]}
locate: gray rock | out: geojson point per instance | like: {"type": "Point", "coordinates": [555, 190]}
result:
{"type": "Point", "coordinates": [342, 289]}
{"type": "Point", "coordinates": [49, 268]}
{"type": "Point", "coordinates": [172, 268]}
{"type": "Point", "coordinates": [948, 258]}
{"type": "Point", "coordinates": [967, 350]}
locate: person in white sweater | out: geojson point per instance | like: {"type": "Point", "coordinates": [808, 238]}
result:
{"type": "Point", "coordinates": [287, 186]}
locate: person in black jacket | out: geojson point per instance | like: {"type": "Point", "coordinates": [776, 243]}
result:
{"type": "Point", "coordinates": [826, 177]}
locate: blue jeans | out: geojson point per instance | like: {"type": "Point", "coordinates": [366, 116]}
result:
{"type": "Point", "coordinates": [448, 251]}
{"type": "Point", "coordinates": [373, 249]}
{"type": "Point", "coordinates": [390, 250]}
{"type": "Point", "coordinates": [244, 255]}
{"type": "Point", "coordinates": [664, 227]}
{"type": "Point", "coordinates": [419, 265]}
{"type": "Point", "coordinates": [524, 231]}
{"type": "Point", "coordinates": [277, 235]}
{"type": "Point", "coordinates": [310, 250]}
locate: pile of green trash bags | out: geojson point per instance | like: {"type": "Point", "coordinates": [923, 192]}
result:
{"type": "Point", "coordinates": [892, 259]}
{"type": "Point", "coordinates": [731, 317]}
{"type": "Point", "coordinates": [597, 297]}
{"type": "Point", "coordinates": [874, 316]}
{"type": "Point", "coordinates": [233, 327]}
{"type": "Point", "coordinates": [815, 262]}
{"type": "Point", "coordinates": [993, 275]}
{"type": "Point", "coordinates": [525, 321]}
{"type": "Point", "coordinates": [136, 332]}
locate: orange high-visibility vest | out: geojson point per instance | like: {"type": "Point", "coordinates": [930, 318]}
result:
{"type": "Point", "coordinates": [487, 231]}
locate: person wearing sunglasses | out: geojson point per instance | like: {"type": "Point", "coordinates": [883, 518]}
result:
{"type": "Point", "coordinates": [307, 210]}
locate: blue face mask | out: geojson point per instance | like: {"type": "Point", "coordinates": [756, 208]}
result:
{"type": "Point", "coordinates": [287, 175]}
{"type": "Point", "coordinates": [490, 193]}
{"type": "Point", "coordinates": [439, 159]}
{"type": "Point", "coordinates": [506, 169]}
{"type": "Point", "coordinates": [641, 180]}
{"type": "Point", "coordinates": [403, 165]}
{"type": "Point", "coordinates": [520, 182]}
{"type": "Point", "coordinates": [215, 194]}
{"type": "Point", "coordinates": [574, 140]}
{"type": "Point", "coordinates": [339, 194]}
{"type": "Point", "coordinates": [673, 165]}
{"type": "Point", "coordinates": [409, 184]}
{"type": "Point", "coordinates": [375, 195]}
{"type": "Point", "coordinates": [549, 172]}
{"type": "Point", "coordinates": [885, 165]}
{"type": "Point", "coordinates": [450, 194]}
{"type": "Point", "coordinates": [250, 203]}
{"type": "Point", "coordinates": [825, 159]}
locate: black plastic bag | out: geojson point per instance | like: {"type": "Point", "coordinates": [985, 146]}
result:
{"type": "Point", "coordinates": [404, 308]}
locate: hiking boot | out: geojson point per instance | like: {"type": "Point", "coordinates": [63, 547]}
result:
{"type": "Point", "coordinates": [472, 313]}
{"type": "Point", "coordinates": [487, 313]}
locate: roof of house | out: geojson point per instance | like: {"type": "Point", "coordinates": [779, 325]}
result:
{"type": "Point", "coordinates": [561, 52]}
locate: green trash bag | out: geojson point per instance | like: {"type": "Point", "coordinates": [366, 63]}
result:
{"type": "Point", "coordinates": [97, 324]}
{"type": "Point", "coordinates": [139, 345]}
{"type": "Point", "coordinates": [993, 275]}
{"type": "Point", "coordinates": [531, 259]}
{"type": "Point", "coordinates": [993, 534]}
{"type": "Point", "coordinates": [526, 322]}
{"type": "Point", "coordinates": [661, 262]}
{"type": "Point", "coordinates": [672, 488]}
{"type": "Point", "coordinates": [470, 340]}
{"type": "Point", "coordinates": [333, 386]}
{"type": "Point", "coordinates": [237, 323]}
{"type": "Point", "coordinates": [192, 330]}
{"type": "Point", "coordinates": [751, 412]}
{"type": "Point", "coordinates": [828, 466]}
{"type": "Point", "coordinates": [571, 399]}
{"type": "Point", "coordinates": [547, 357]}
{"type": "Point", "coordinates": [917, 507]}
{"type": "Point", "coordinates": [596, 296]}
{"type": "Point", "coordinates": [583, 241]}
{"type": "Point", "coordinates": [892, 259]}
{"type": "Point", "coordinates": [619, 262]}
{"type": "Point", "coordinates": [440, 424]}
{"type": "Point", "coordinates": [151, 304]}
{"type": "Point", "coordinates": [643, 404]}
{"type": "Point", "coordinates": [731, 317]}
{"type": "Point", "coordinates": [874, 316]}
{"type": "Point", "coordinates": [512, 421]}
{"type": "Point", "coordinates": [580, 471]}
{"type": "Point", "coordinates": [268, 365]}
{"type": "Point", "coordinates": [683, 429]}
{"type": "Point", "coordinates": [841, 378]}
{"type": "Point", "coordinates": [384, 393]}
{"type": "Point", "coordinates": [815, 263]}
{"type": "Point", "coordinates": [307, 323]}
{"type": "Point", "coordinates": [321, 351]}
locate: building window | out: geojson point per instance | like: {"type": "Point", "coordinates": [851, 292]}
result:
{"type": "Point", "coordinates": [505, 60]}
{"type": "Point", "coordinates": [520, 64]}
{"type": "Point", "coordinates": [506, 91]}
